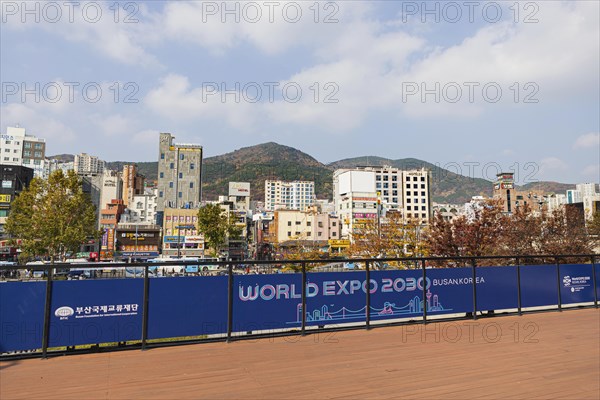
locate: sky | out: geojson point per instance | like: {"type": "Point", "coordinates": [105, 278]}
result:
{"type": "Point", "coordinates": [477, 87]}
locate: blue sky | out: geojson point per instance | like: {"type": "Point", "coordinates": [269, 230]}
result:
{"type": "Point", "coordinates": [500, 84]}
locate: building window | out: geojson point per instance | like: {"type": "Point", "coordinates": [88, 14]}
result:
{"type": "Point", "coordinates": [289, 223]}
{"type": "Point", "coordinates": [378, 178]}
{"type": "Point", "coordinates": [319, 233]}
{"type": "Point", "coordinates": [26, 153]}
{"type": "Point", "coordinates": [422, 186]}
{"type": "Point", "coordinates": [171, 165]}
{"type": "Point", "coordinates": [408, 200]}
{"type": "Point", "coordinates": [181, 157]}
{"type": "Point", "coordinates": [307, 233]}
{"type": "Point", "coordinates": [7, 142]}
{"type": "Point", "coordinates": [422, 193]}
{"type": "Point", "coordinates": [162, 174]}
{"type": "Point", "coordinates": [38, 146]}
{"type": "Point", "coordinates": [38, 154]}
{"type": "Point", "coordinates": [192, 165]}
{"type": "Point", "coordinates": [308, 223]}
{"type": "Point", "coordinates": [191, 185]}
{"type": "Point", "coordinates": [415, 186]}
{"type": "Point", "coordinates": [27, 145]}
{"type": "Point", "coordinates": [408, 185]}
{"type": "Point", "coordinates": [180, 195]}
{"type": "Point", "coordinates": [171, 185]}
{"type": "Point", "coordinates": [181, 175]}
{"type": "Point", "coordinates": [414, 178]}
{"type": "Point", "coordinates": [162, 156]}
{"type": "Point", "coordinates": [333, 233]}
{"type": "Point", "coordinates": [422, 208]}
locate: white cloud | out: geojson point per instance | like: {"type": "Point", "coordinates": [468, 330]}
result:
{"type": "Point", "coordinates": [39, 124]}
{"type": "Point", "coordinates": [592, 171]}
{"type": "Point", "coordinates": [552, 164]}
{"type": "Point", "coordinates": [587, 141]}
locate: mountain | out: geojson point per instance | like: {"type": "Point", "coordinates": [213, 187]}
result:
{"type": "Point", "coordinates": [255, 164]}
{"type": "Point", "coordinates": [548, 187]}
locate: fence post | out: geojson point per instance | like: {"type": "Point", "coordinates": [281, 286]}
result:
{"type": "Point", "coordinates": [594, 281]}
{"type": "Point", "coordinates": [47, 311]}
{"type": "Point", "coordinates": [474, 263]}
{"type": "Point", "coordinates": [519, 304]}
{"type": "Point", "coordinates": [303, 299]}
{"type": "Point", "coordinates": [368, 290]}
{"type": "Point", "coordinates": [146, 302]}
{"type": "Point", "coordinates": [229, 301]}
{"type": "Point", "coordinates": [558, 283]}
{"type": "Point", "coordinates": [424, 292]}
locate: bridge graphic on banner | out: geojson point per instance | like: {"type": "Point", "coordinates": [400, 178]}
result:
{"type": "Point", "coordinates": [414, 306]}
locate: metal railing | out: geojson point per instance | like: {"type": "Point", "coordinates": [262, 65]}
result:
{"type": "Point", "coordinates": [53, 272]}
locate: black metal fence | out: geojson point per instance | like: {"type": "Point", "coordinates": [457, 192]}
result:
{"type": "Point", "coordinates": [53, 272]}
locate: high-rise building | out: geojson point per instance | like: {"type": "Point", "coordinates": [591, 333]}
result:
{"type": "Point", "coordinates": [133, 183]}
{"type": "Point", "coordinates": [504, 189]}
{"type": "Point", "coordinates": [18, 148]}
{"type": "Point", "coordinates": [282, 195]}
{"type": "Point", "coordinates": [179, 175]}
{"type": "Point", "coordinates": [365, 193]}
{"type": "Point", "coordinates": [86, 164]}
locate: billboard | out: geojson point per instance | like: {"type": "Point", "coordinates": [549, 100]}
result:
{"type": "Point", "coordinates": [239, 189]}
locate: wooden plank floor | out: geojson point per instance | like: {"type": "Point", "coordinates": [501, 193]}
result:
{"type": "Point", "coordinates": [545, 355]}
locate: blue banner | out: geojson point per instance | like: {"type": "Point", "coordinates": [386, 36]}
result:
{"type": "Point", "coordinates": [335, 297]}
{"type": "Point", "coordinates": [454, 288]}
{"type": "Point", "coordinates": [96, 311]}
{"type": "Point", "coordinates": [21, 315]}
{"type": "Point", "coordinates": [539, 286]}
{"type": "Point", "coordinates": [576, 284]}
{"type": "Point", "coordinates": [264, 302]}
{"type": "Point", "coordinates": [497, 288]}
{"type": "Point", "coordinates": [189, 306]}
{"type": "Point", "coordinates": [399, 294]}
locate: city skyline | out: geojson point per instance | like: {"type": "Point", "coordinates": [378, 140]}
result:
{"type": "Point", "coordinates": [375, 56]}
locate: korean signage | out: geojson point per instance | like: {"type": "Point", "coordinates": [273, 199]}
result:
{"type": "Point", "coordinates": [239, 189]}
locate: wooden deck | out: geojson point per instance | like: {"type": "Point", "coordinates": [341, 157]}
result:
{"type": "Point", "coordinates": [544, 355]}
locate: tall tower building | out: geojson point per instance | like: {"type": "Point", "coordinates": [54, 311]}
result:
{"type": "Point", "coordinates": [504, 188]}
{"type": "Point", "coordinates": [179, 175]}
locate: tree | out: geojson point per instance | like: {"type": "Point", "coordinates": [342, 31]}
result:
{"type": "Point", "coordinates": [394, 237]}
{"type": "Point", "coordinates": [477, 235]}
{"type": "Point", "coordinates": [563, 232]}
{"type": "Point", "coordinates": [217, 225]}
{"type": "Point", "coordinates": [593, 229]}
{"type": "Point", "coordinates": [52, 217]}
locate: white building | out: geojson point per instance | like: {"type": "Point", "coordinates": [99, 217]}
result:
{"type": "Point", "coordinates": [296, 195]}
{"type": "Point", "coordinates": [19, 148]}
{"type": "Point", "coordinates": [556, 201]}
{"type": "Point", "coordinates": [474, 205]}
{"type": "Point", "coordinates": [574, 196]}
{"type": "Point", "coordinates": [86, 164]}
{"type": "Point", "coordinates": [356, 193]}
{"type": "Point", "coordinates": [586, 189]}
{"type": "Point", "coordinates": [142, 208]}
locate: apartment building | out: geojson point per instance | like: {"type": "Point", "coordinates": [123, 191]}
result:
{"type": "Point", "coordinates": [19, 148]}
{"type": "Point", "coordinates": [295, 195]}
{"type": "Point", "coordinates": [85, 164]}
{"type": "Point", "coordinates": [179, 175]}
